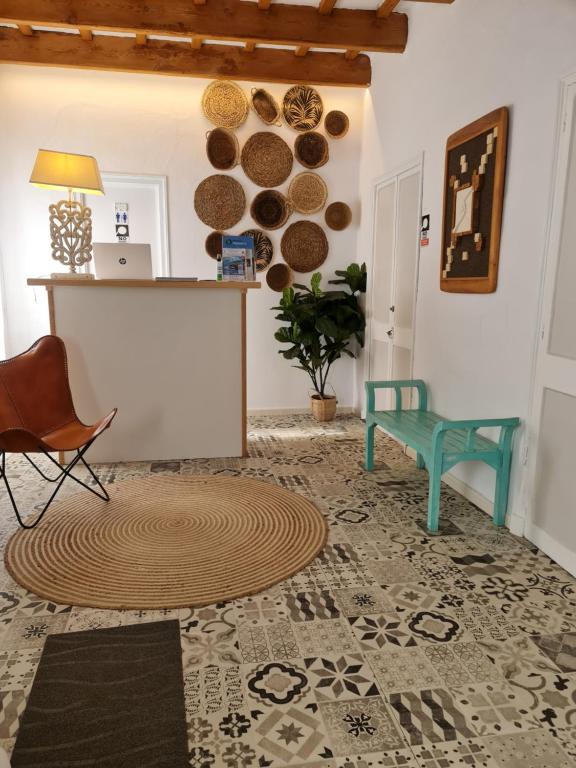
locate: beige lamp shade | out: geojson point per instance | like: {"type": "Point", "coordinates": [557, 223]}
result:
{"type": "Point", "coordinates": [64, 170]}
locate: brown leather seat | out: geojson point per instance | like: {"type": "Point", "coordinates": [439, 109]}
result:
{"type": "Point", "coordinates": [36, 410]}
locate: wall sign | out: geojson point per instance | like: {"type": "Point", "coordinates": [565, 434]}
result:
{"type": "Point", "coordinates": [121, 222]}
{"type": "Point", "coordinates": [424, 231]}
{"type": "Point", "coordinates": [473, 201]}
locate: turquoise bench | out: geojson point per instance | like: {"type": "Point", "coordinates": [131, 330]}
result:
{"type": "Point", "coordinates": [440, 444]}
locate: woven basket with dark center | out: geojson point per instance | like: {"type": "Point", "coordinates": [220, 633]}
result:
{"type": "Point", "coordinates": [302, 108]}
{"type": "Point", "coordinates": [279, 276]}
{"type": "Point", "coordinates": [265, 106]}
{"type": "Point", "coordinates": [213, 244]}
{"type": "Point", "coordinates": [219, 201]}
{"type": "Point", "coordinates": [338, 216]}
{"type": "Point", "coordinates": [267, 159]}
{"type": "Point", "coordinates": [304, 246]}
{"type": "Point", "coordinates": [307, 192]}
{"type": "Point", "coordinates": [270, 209]}
{"type": "Point", "coordinates": [311, 149]}
{"type": "Point", "coordinates": [225, 104]}
{"type": "Point", "coordinates": [336, 124]}
{"type": "Point", "coordinates": [263, 248]}
{"type": "Point", "coordinates": [222, 149]}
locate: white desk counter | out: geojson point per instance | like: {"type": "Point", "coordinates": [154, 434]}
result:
{"type": "Point", "coordinates": [170, 355]}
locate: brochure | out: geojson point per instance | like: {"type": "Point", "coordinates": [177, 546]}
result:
{"type": "Point", "coordinates": [237, 258]}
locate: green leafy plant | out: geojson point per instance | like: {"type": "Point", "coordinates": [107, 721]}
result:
{"type": "Point", "coordinates": [322, 325]}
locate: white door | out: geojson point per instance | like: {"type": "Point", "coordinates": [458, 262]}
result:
{"type": "Point", "coordinates": [552, 501]}
{"type": "Point", "coordinates": [392, 302]}
{"type": "Point", "coordinates": [145, 197]}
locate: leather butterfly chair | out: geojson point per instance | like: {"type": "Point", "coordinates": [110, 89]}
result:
{"type": "Point", "coordinates": [37, 416]}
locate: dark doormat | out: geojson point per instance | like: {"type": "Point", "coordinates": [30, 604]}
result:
{"type": "Point", "coordinates": [111, 698]}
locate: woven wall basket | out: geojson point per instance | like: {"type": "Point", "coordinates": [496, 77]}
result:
{"type": "Point", "coordinates": [263, 248]}
{"type": "Point", "coordinates": [338, 216]}
{"type": "Point", "coordinates": [222, 149]}
{"type": "Point", "coordinates": [266, 107]}
{"type": "Point", "coordinates": [267, 159]}
{"type": "Point", "coordinates": [219, 201]}
{"type": "Point", "coordinates": [311, 149]}
{"type": "Point", "coordinates": [304, 246]}
{"type": "Point", "coordinates": [225, 104]}
{"type": "Point", "coordinates": [307, 192]}
{"type": "Point", "coordinates": [302, 108]}
{"type": "Point", "coordinates": [213, 244]}
{"type": "Point", "coordinates": [270, 209]}
{"type": "Point", "coordinates": [279, 276]}
{"type": "Point", "coordinates": [336, 124]}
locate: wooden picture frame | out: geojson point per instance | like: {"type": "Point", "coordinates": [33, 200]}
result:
{"type": "Point", "coordinates": [472, 223]}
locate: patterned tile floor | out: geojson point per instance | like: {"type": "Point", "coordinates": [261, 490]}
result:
{"type": "Point", "coordinates": [393, 648]}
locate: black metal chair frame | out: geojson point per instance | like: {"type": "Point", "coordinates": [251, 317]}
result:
{"type": "Point", "coordinates": [65, 472]}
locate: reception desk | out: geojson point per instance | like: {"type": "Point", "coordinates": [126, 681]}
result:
{"type": "Point", "coordinates": [170, 355]}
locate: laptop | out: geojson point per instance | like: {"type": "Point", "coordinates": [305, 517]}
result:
{"type": "Point", "coordinates": [117, 261]}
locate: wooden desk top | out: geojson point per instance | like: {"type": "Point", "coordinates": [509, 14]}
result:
{"type": "Point", "coordinates": [243, 285]}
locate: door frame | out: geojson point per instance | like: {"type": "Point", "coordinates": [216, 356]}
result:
{"type": "Point", "coordinates": [416, 164]}
{"type": "Point", "coordinates": [562, 138]}
{"type": "Point", "coordinates": [159, 184]}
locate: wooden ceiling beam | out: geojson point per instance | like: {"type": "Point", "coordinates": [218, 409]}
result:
{"type": "Point", "coordinates": [263, 5]}
{"type": "Point", "coordinates": [386, 8]}
{"type": "Point", "coordinates": [236, 20]}
{"type": "Point", "coordinates": [85, 33]}
{"type": "Point", "coordinates": [302, 50]}
{"type": "Point", "coordinates": [141, 39]}
{"type": "Point", "coordinates": [26, 30]}
{"type": "Point", "coordinates": [108, 52]}
{"type": "Point", "coordinates": [250, 47]}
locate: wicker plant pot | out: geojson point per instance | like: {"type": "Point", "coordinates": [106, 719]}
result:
{"type": "Point", "coordinates": [323, 408]}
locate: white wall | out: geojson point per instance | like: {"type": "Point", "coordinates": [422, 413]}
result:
{"type": "Point", "coordinates": [151, 124]}
{"type": "Point", "coordinates": [462, 61]}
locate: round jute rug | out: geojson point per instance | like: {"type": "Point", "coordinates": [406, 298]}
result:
{"type": "Point", "coordinates": [167, 542]}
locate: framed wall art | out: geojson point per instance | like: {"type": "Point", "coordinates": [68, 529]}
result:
{"type": "Point", "coordinates": [473, 201]}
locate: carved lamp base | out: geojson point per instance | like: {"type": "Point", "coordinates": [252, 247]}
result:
{"type": "Point", "coordinates": [71, 233]}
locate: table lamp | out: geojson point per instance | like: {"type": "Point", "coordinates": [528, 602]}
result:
{"type": "Point", "coordinates": [70, 221]}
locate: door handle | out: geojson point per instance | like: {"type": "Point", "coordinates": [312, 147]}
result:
{"type": "Point", "coordinates": [390, 333]}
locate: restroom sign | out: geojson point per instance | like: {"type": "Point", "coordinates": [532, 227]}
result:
{"type": "Point", "coordinates": [121, 222]}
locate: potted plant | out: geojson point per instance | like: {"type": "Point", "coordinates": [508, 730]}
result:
{"type": "Point", "coordinates": [321, 326]}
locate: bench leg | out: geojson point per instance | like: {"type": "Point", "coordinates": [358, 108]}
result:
{"type": "Point", "coordinates": [420, 461]}
{"type": "Point", "coordinates": [434, 502]}
{"type": "Point", "coordinates": [369, 462]}
{"type": "Point", "coordinates": [501, 495]}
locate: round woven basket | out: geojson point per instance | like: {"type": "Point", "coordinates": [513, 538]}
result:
{"type": "Point", "coordinates": [219, 201]}
{"type": "Point", "coordinates": [263, 248]}
{"type": "Point", "coordinates": [270, 209]}
{"type": "Point", "coordinates": [311, 149]}
{"type": "Point", "coordinates": [304, 246]}
{"type": "Point", "coordinates": [302, 108]}
{"type": "Point", "coordinates": [267, 159]}
{"type": "Point", "coordinates": [336, 124]}
{"type": "Point", "coordinates": [222, 149]}
{"type": "Point", "coordinates": [338, 216]}
{"type": "Point", "coordinates": [265, 106]}
{"type": "Point", "coordinates": [213, 244]}
{"type": "Point", "coordinates": [279, 276]}
{"type": "Point", "coordinates": [307, 192]}
{"type": "Point", "coordinates": [225, 104]}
